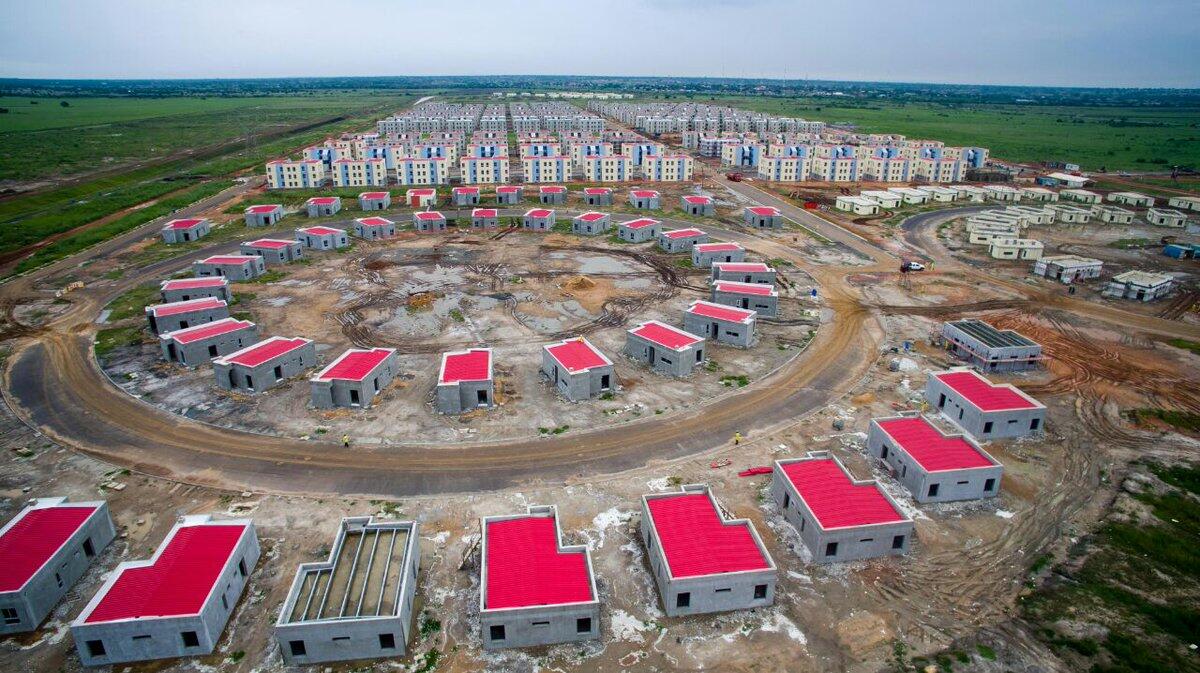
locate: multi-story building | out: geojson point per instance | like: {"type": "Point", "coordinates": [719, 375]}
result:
{"type": "Point", "coordinates": [359, 173]}
{"type": "Point", "coordinates": [555, 168]}
{"type": "Point", "coordinates": [483, 170]}
{"type": "Point", "coordinates": [303, 174]}
{"type": "Point", "coordinates": [612, 168]}
{"type": "Point", "coordinates": [667, 168]}
{"type": "Point", "coordinates": [432, 171]}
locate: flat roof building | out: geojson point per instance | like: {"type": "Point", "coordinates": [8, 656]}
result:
{"type": "Point", "coordinates": [196, 345]}
{"type": "Point", "coordinates": [1140, 285]}
{"type": "Point", "coordinates": [323, 206]}
{"type": "Point", "coordinates": [183, 289]}
{"type": "Point", "coordinates": [744, 272]}
{"type": "Point", "coordinates": [763, 217]}
{"type": "Point", "coordinates": [420, 197]}
{"type": "Point", "coordinates": [186, 230]}
{"type": "Point", "coordinates": [645, 199]}
{"type": "Point", "coordinates": [274, 250]}
{"type": "Point", "coordinates": [374, 228]}
{"type": "Point", "coordinates": [758, 297]}
{"type": "Point", "coordinates": [667, 350]}
{"type": "Point", "coordinates": [577, 369]}
{"type": "Point", "coordinates": [465, 381]}
{"type": "Point", "coordinates": [932, 465]}
{"type": "Point", "coordinates": [354, 379]}
{"type": "Point", "coordinates": [538, 219]}
{"type": "Point", "coordinates": [322, 238]}
{"type": "Point", "coordinates": [374, 200]}
{"type": "Point", "coordinates": [1135, 199]}
{"type": "Point", "coordinates": [984, 409]}
{"type": "Point", "coordinates": [702, 561]}
{"type": "Point", "coordinates": [1067, 268]}
{"type": "Point", "coordinates": [990, 349]}
{"type": "Point", "coordinates": [234, 267]}
{"type": "Point", "coordinates": [509, 195]}
{"type": "Point", "coordinates": [552, 195]}
{"type": "Point", "coordinates": [429, 221]}
{"type": "Point", "coordinates": [464, 196]}
{"type": "Point", "coordinates": [263, 215]}
{"type": "Point", "coordinates": [182, 314]}
{"type": "Point", "coordinates": [681, 240]}
{"type": "Point", "coordinates": [1002, 247]}
{"type": "Point", "coordinates": [705, 255]}
{"type": "Point", "coordinates": [884, 198]}
{"type": "Point", "coordinates": [598, 196]}
{"type": "Point", "coordinates": [1080, 195]}
{"type": "Point", "coordinates": [695, 204]}
{"type": "Point", "coordinates": [859, 205]}
{"type": "Point", "coordinates": [265, 365]}
{"type": "Point", "coordinates": [1165, 217]}
{"type": "Point", "coordinates": [721, 323]}
{"type": "Point", "coordinates": [590, 224]}
{"type": "Point", "coordinates": [485, 218]}
{"type": "Point", "coordinates": [1113, 214]}
{"type": "Point", "coordinates": [639, 231]}
{"type": "Point", "coordinates": [534, 590]}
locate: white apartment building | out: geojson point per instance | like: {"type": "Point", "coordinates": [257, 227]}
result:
{"type": "Point", "coordinates": [304, 174]}
{"type": "Point", "coordinates": [670, 168]}
{"type": "Point", "coordinates": [359, 173]}
{"type": "Point", "coordinates": [433, 171]}
{"type": "Point", "coordinates": [483, 170]}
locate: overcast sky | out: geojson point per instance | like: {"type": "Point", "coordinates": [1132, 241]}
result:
{"type": "Point", "coordinates": [1053, 42]}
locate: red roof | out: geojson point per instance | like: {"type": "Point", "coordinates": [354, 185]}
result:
{"type": "Point", "coordinates": [421, 192]}
{"type": "Point", "coordinates": [539, 212]}
{"type": "Point", "coordinates": [430, 215]}
{"type": "Point", "coordinates": [229, 259]}
{"type": "Point", "coordinates": [683, 233]}
{"type": "Point", "coordinates": [931, 449]}
{"type": "Point", "coordinates": [552, 189]}
{"type": "Point", "coordinates": [260, 210]}
{"type": "Point", "coordinates": [322, 231]}
{"type": "Point", "coordinates": [644, 193]}
{"type": "Point", "coordinates": [742, 267]}
{"type": "Point", "coordinates": [577, 355]}
{"type": "Point", "coordinates": [759, 289]}
{"type": "Point", "coordinates": [483, 212]}
{"type": "Point", "coordinates": [194, 283]}
{"type": "Point", "coordinates": [696, 540]}
{"type": "Point", "coordinates": [698, 200]}
{"type": "Point", "coordinates": [189, 335]}
{"type": "Point", "coordinates": [184, 224]}
{"type": "Point", "coordinates": [597, 191]}
{"type": "Point", "coordinates": [721, 312]}
{"type": "Point", "coordinates": [665, 335]}
{"type": "Point", "coordinates": [471, 365]}
{"type": "Point", "coordinates": [265, 351]}
{"type": "Point", "coordinates": [179, 580]}
{"type": "Point", "coordinates": [984, 394]}
{"type": "Point", "coordinates": [33, 537]}
{"type": "Point", "coordinates": [177, 307]}
{"type": "Point", "coordinates": [507, 189]}
{"type": "Point", "coordinates": [323, 200]}
{"type": "Point", "coordinates": [466, 190]}
{"type": "Point", "coordinates": [640, 223]}
{"type": "Point", "coordinates": [526, 568]}
{"type": "Point", "coordinates": [765, 211]}
{"type": "Point", "coordinates": [717, 247]}
{"type": "Point", "coordinates": [374, 221]}
{"type": "Point", "coordinates": [270, 243]}
{"type": "Point", "coordinates": [374, 196]}
{"type": "Point", "coordinates": [835, 500]}
{"type": "Point", "coordinates": [354, 364]}
{"type": "Point", "coordinates": [591, 217]}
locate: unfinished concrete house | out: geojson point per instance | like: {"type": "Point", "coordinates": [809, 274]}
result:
{"type": "Point", "coordinates": [464, 196]}
{"type": "Point", "coordinates": [264, 365]}
{"type": "Point", "coordinates": [465, 381]}
{"type": "Point", "coordinates": [194, 346]}
{"type": "Point", "coordinates": [639, 231]}
{"type": "Point", "coordinates": [702, 561]}
{"type": "Point", "coordinates": [427, 221]}
{"type": "Point", "coordinates": [509, 195]}
{"type": "Point", "coordinates": [1140, 285]}
{"type": "Point", "coordinates": [1067, 268]}
{"type": "Point", "coordinates": [323, 206]}
{"type": "Point", "coordinates": [183, 289]}
{"type": "Point", "coordinates": [533, 590]}
{"type": "Point", "coordinates": [263, 215]}
{"type": "Point", "coordinates": [323, 238]}
{"type": "Point", "coordinates": [485, 218]}
{"type": "Point", "coordinates": [681, 240]}
{"type": "Point", "coordinates": [884, 198]}
{"type": "Point", "coordinates": [374, 228]}
{"type": "Point", "coordinates": [705, 254]}
{"type": "Point", "coordinates": [721, 323]}
{"type": "Point", "coordinates": [667, 350]}
{"type": "Point", "coordinates": [1134, 199]}
{"type": "Point", "coordinates": [421, 197]}
{"type": "Point", "coordinates": [1165, 217]}
{"type": "Point", "coordinates": [374, 200]}
{"type": "Point", "coordinates": [694, 204]}
{"type": "Point", "coordinates": [598, 196]}
{"type": "Point", "coordinates": [991, 349]}
{"type": "Point", "coordinates": [744, 272]}
{"type": "Point", "coordinates": [234, 267]}
{"type": "Point", "coordinates": [1068, 214]}
{"type": "Point", "coordinates": [177, 603]}
{"type": "Point", "coordinates": [538, 219]}
{"type": "Point", "coordinates": [932, 465]}
{"type": "Point", "coordinates": [645, 199]}
{"type": "Point", "coordinates": [838, 517]}
{"type": "Point", "coordinates": [45, 549]}
{"type": "Point", "coordinates": [590, 224]}
{"type": "Point", "coordinates": [577, 370]}
{"type": "Point", "coordinates": [186, 230]}
{"type": "Point", "coordinates": [274, 250]}
{"type": "Point", "coordinates": [182, 314]}
{"type": "Point", "coordinates": [763, 217]}
{"type": "Point", "coordinates": [1003, 247]}
{"type": "Point", "coordinates": [552, 195]}
{"type": "Point", "coordinates": [984, 409]}
{"type": "Point", "coordinates": [758, 297]}
{"type": "Point", "coordinates": [1113, 214]}
{"type": "Point", "coordinates": [357, 604]}
{"type": "Point", "coordinates": [354, 379]}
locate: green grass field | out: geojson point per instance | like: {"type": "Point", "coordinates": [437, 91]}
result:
{"type": "Point", "coordinates": [1134, 139]}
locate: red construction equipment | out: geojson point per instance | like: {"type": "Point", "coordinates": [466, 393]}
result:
{"type": "Point", "coordinates": [755, 471]}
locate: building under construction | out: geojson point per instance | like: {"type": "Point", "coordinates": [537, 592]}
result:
{"type": "Point", "coordinates": [990, 349]}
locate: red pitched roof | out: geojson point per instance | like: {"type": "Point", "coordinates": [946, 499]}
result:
{"type": "Point", "coordinates": [698, 200]}
{"type": "Point", "coordinates": [539, 212]}
{"type": "Point", "coordinates": [743, 267]}
{"type": "Point", "coordinates": [758, 289]}
{"type": "Point", "coordinates": [577, 355]}
{"type": "Point", "coordinates": [177, 307]}
{"type": "Point", "coordinates": [430, 215]}
{"type": "Point", "coordinates": [597, 191]}
{"type": "Point", "coordinates": [229, 259]}
{"type": "Point", "coordinates": [178, 582]}
{"type": "Point", "coordinates": [717, 247]}
{"type": "Point", "coordinates": [984, 394]}
{"type": "Point", "coordinates": [644, 193]}
{"type": "Point", "coordinates": [931, 449]}
{"type": "Point", "coordinates": [835, 500]}
{"type": "Point", "coordinates": [322, 231]}
{"type": "Point", "coordinates": [354, 364]}
{"type": "Point", "coordinates": [194, 283]}
{"type": "Point", "coordinates": [33, 537]}
{"type": "Point", "coordinates": [641, 223]}
{"type": "Point", "coordinates": [483, 212]}
{"type": "Point", "coordinates": [721, 312]}
{"type": "Point", "coordinates": [665, 335]}
{"type": "Point", "coordinates": [209, 330]}
{"type": "Point", "coordinates": [263, 209]}
{"type": "Point", "coordinates": [696, 540]}
{"type": "Point", "coordinates": [466, 190]}
{"type": "Point", "coordinates": [270, 243]}
{"type": "Point", "coordinates": [471, 365]}
{"type": "Point", "coordinates": [187, 223]}
{"type": "Point", "coordinates": [526, 568]}
{"type": "Point", "coordinates": [507, 189]}
{"type": "Point", "coordinates": [552, 189]}
{"type": "Point", "coordinates": [591, 217]}
{"type": "Point", "coordinates": [374, 221]}
{"type": "Point", "coordinates": [265, 351]}
{"type": "Point", "coordinates": [683, 233]}
{"type": "Point", "coordinates": [421, 192]}
{"type": "Point", "coordinates": [323, 200]}
{"type": "Point", "coordinates": [374, 196]}
{"type": "Point", "coordinates": [765, 211]}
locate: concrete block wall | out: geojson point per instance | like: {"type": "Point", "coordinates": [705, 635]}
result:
{"type": "Point", "coordinates": [1003, 424]}
{"type": "Point", "coordinates": [663, 360]}
{"type": "Point", "coordinates": [232, 376]}
{"type": "Point", "coordinates": [953, 485]}
{"type": "Point", "coordinates": [462, 396]}
{"type": "Point", "coordinates": [722, 331]}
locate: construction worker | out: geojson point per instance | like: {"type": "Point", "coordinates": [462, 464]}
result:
{"type": "Point", "coordinates": [346, 441]}
{"type": "Point", "coordinates": [737, 438]}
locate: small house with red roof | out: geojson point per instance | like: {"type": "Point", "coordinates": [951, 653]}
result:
{"type": "Point", "coordinates": [538, 219]}
{"type": "Point", "coordinates": [194, 346]}
{"type": "Point", "coordinates": [508, 195]}
{"type": "Point", "coordinates": [763, 217]}
{"type": "Point", "coordinates": [465, 381]}
{"type": "Point", "coordinates": [667, 350]}
{"type": "Point", "coordinates": [44, 550]}
{"type": "Point", "coordinates": [598, 196]}
{"type": "Point", "coordinates": [265, 365]}
{"type": "Point", "coordinates": [743, 272]}
{"type": "Point", "coordinates": [178, 315]}
{"type": "Point", "coordinates": [533, 589]}
{"type": "Point", "coordinates": [233, 267]}
{"type": "Point", "coordinates": [590, 224]}
{"type": "Point", "coordinates": [552, 195]}
{"type": "Point", "coordinates": [323, 206]}
{"type": "Point", "coordinates": [639, 231]}
{"type": "Point", "coordinates": [355, 378]}
{"type": "Point", "coordinates": [421, 197]}
{"type": "Point", "coordinates": [681, 240]}
{"type": "Point", "coordinates": [838, 517]}
{"type": "Point", "coordinates": [704, 254]}
{"type": "Point", "coordinates": [374, 200]}
{"type": "Point", "coordinates": [183, 289]}
{"type": "Point", "coordinates": [702, 561]}
{"type": "Point", "coordinates": [983, 409]}
{"type": "Point", "coordinates": [933, 465]}
{"type": "Point", "coordinates": [485, 218]}
{"type": "Point", "coordinates": [429, 221]}
{"type": "Point", "coordinates": [758, 297]}
{"type": "Point", "coordinates": [177, 603]}
{"type": "Point", "coordinates": [186, 230]}
{"type": "Point", "coordinates": [577, 370]}
{"type": "Point", "coordinates": [374, 228]}
{"type": "Point", "coordinates": [697, 204]}
{"type": "Point", "coordinates": [645, 199]}
{"type": "Point", "coordinates": [465, 196]}
{"type": "Point", "coordinates": [274, 250]}
{"type": "Point", "coordinates": [263, 215]}
{"type": "Point", "coordinates": [323, 238]}
{"type": "Point", "coordinates": [721, 323]}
